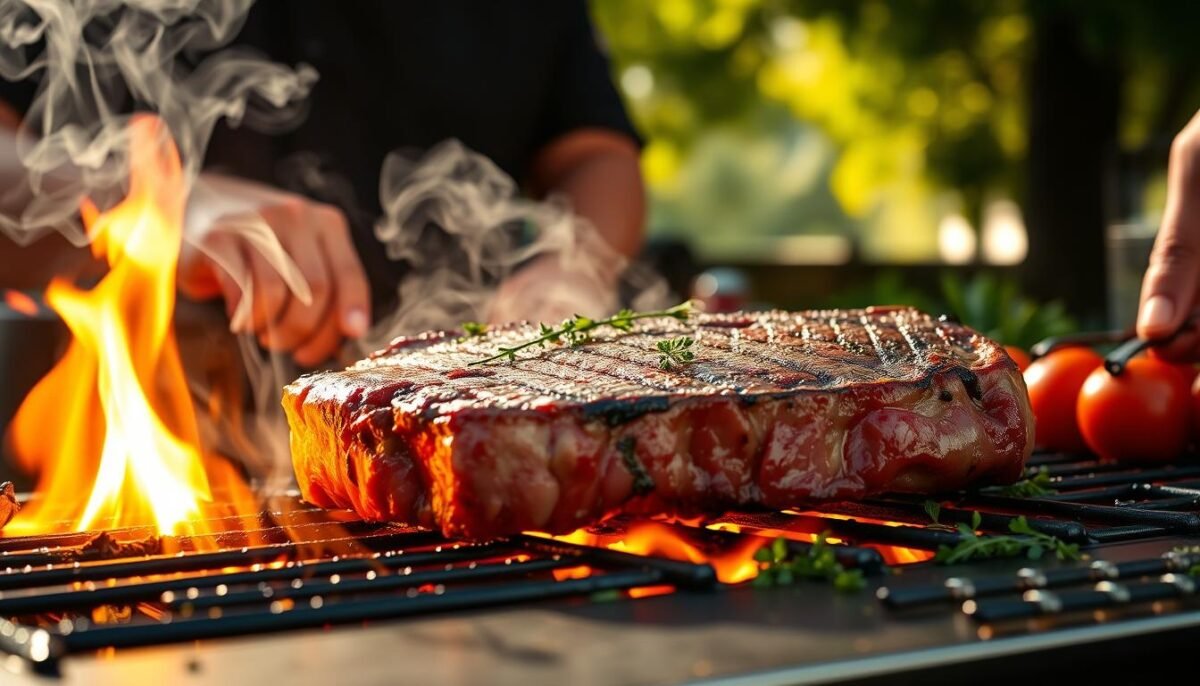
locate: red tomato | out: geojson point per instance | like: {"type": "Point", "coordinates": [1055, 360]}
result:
{"type": "Point", "coordinates": [1019, 356]}
{"type": "Point", "coordinates": [1142, 415]}
{"type": "Point", "coordinates": [1054, 382]}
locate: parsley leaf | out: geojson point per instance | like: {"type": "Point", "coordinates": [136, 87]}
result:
{"type": "Point", "coordinates": [675, 351]}
{"type": "Point", "coordinates": [1028, 541]}
{"type": "Point", "coordinates": [777, 566]}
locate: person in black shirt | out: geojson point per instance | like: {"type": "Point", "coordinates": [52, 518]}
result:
{"type": "Point", "coordinates": [526, 84]}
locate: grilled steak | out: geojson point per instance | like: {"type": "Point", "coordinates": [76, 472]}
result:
{"type": "Point", "coordinates": [777, 409]}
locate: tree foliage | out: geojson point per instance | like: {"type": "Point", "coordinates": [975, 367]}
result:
{"type": "Point", "coordinates": [916, 95]}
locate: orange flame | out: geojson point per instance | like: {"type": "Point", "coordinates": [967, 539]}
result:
{"type": "Point", "coordinates": [661, 540]}
{"type": "Point", "coordinates": [111, 430]}
{"type": "Point", "coordinates": [892, 554]}
{"type": "Point", "coordinates": [20, 302]}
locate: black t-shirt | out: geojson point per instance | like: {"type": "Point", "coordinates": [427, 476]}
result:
{"type": "Point", "coordinates": [504, 78]}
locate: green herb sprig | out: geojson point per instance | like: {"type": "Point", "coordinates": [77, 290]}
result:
{"type": "Point", "coordinates": [777, 567]}
{"type": "Point", "coordinates": [934, 510]}
{"type": "Point", "coordinates": [1028, 541]}
{"type": "Point", "coordinates": [577, 330]}
{"type": "Point", "coordinates": [675, 351]}
{"type": "Point", "coordinates": [474, 329]}
{"type": "Point", "coordinates": [1194, 570]}
{"type": "Point", "coordinates": [1035, 486]}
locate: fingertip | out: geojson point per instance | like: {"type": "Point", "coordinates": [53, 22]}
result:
{"type": "Point", "coordinates": [1157, 317]}
{"type": "Point", "coordinates": [355, 322]}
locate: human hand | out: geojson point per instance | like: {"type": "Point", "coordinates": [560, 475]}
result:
{"type": "Point", "coordinates": [284, 264]}
{"type": "Point", "coordinates": [1171, 285]}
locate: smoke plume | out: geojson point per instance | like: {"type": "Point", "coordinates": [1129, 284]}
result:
{"type": "Point", "coordinates": [477, 250]}
{"type": "Point", "coordinates": [98, 61]}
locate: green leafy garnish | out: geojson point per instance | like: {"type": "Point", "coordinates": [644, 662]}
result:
{"type": "Point", "coordinates": [675, 351]}
{"type": "Point", "coordinates": [1035, 486]}
{"type": "Point", "coordinates": [577, 330]}
{"type": "Point", "coordinates": [474, 329]}
{"type": "Point", "coordinates": [1030, 542]}
{"type": "Point", "coordinates": [777, 567]}
{"type": "Point", "coordinates": [1194, 570]}
{"type": "Point", "coordinates": [933, 509]}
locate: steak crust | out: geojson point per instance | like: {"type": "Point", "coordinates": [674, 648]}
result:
{"type": "Point", "coordinates": [779, 409]}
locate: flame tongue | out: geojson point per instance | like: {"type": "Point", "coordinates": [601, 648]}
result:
{"type": "Point", "coordinates": [111, 429]}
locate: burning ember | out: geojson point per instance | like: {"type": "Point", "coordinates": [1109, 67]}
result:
{"type": "Point", "coordinates": [733, 565]}
{"type": "Point", "coordinates": [20, 302]}
{"type": "Point", "coordinates": [892, 554]}
{"type": "Point", "coordinates": [111, 431]}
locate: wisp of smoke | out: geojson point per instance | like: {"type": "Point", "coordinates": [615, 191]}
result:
{"type": "Point", "coordinates": [96, 62]}
{"type": "Point", "coordinates": [476, 249]}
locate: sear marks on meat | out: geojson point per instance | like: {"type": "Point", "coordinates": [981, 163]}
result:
{"type": "Point", "coordinates": [779, 409]}
{"type": "Point", "coordinates": [9, 507]}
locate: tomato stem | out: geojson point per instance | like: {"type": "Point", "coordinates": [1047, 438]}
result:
{"type": "Point", "coordinates": [1048, 345]}
{"type": "Point", "coordinates": [1116, 360]}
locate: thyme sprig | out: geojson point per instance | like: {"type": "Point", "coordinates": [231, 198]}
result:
{"type": "Point", "coordinates": [1035, 486]}
{"type": "Point", "coordinates": [577, 330]}
{"type": "Point", "coordinates": [1028, 541]}
{"type": "Point", "coordinates": [777, 567]}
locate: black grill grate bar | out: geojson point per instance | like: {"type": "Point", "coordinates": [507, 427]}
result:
{"type": "Point", "coordinates": [277, 539]}
{"type": "Point", "coordinates": [1104, 494]}
{"type": "Point", "coordinates": [1105, 595]}
{"type": "Point", "coordinates": [1183, 522]}
{"type": "Point", "coordinates": [925, 538]}
{"type": "Point", "coordinates": [153, 590]}
{"type": "Point", "coordinates": [1045, 459]}
{"type": "Point", "coordinates": [1068, 530]}
{"type": "Point", "coordinates": [274, 541]}
{"type": "Point", "coordinates": [1179, 503]}
{"type": "Point", "coordinates": [1129, 476]}
{"type": "Point", "coordinates": [1169, 490]}
{"type": "Point", "coordinates": [293, 520]}
{"type": "Point", "coordinates": [867, 560]}
{"type": "Point", "coordinates": [1117, 534]}
{"type": "Point", "coordinates": [684, 574]}
{"type": "Point", "coordinates": [326, 589]}
{"type": "Point", "coordinates": [182, 563]}
{"type": "Point", "coordinates": [960, 589]}
{"type": "Point", "coordinates": [1085, 468]}
{"type": "Point", "coordinates": [355, 611]}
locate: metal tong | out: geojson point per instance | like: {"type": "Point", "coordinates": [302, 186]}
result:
{"type": "Point", "coordinates": [1129, 344]}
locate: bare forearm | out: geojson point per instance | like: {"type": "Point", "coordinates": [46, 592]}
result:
{"type": "Point", "coordinates": [599, 174]}
{"type": "Point", "coordinates": [607, 191]}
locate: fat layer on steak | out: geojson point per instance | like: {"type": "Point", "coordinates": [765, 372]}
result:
{"type": "Point", "coordinates": [778, 409]}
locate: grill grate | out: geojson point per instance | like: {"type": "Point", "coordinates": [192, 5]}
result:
{"type": "Point", "coordinates": [1108, 503]}
{"type": "Point", "coordinates": [304, 567]}
{"type": "Point", "coordinates": [56, 605]}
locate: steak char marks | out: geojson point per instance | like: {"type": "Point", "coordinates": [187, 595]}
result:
{"type": "Point", "coordinates": [779, 409]}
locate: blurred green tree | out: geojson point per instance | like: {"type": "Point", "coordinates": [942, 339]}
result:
{"type": "Point", "coordinates": [1043, 101]}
